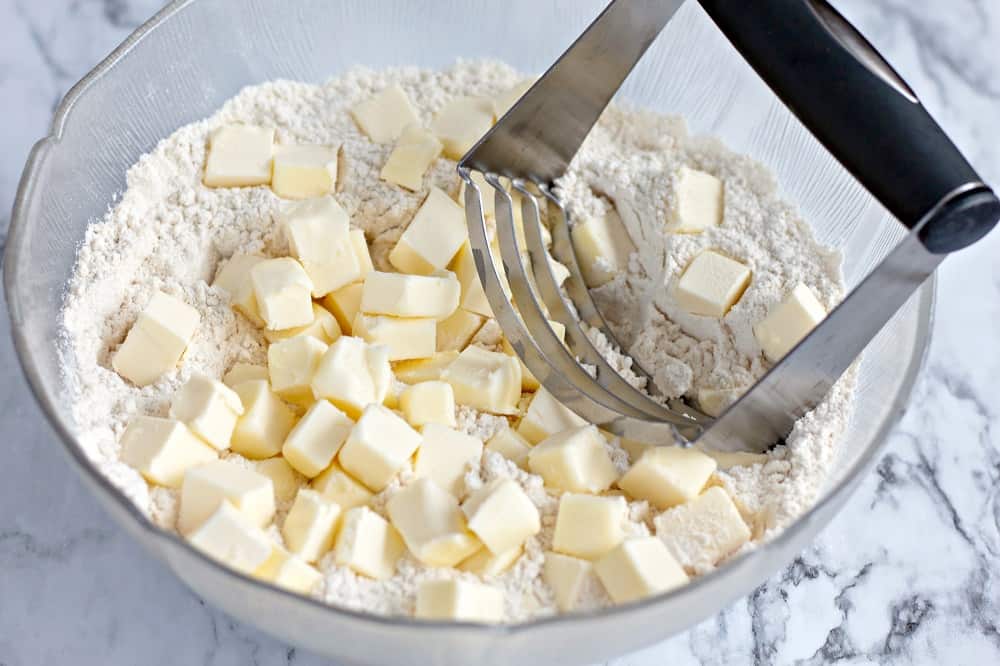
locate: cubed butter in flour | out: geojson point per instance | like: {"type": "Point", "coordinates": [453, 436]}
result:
{"type": "Point", "coordinates": [511, 445]}
{"type": "Point", "coordinates": [324, 327]}
{"type": "Point", "coordinates": [401, 295]}
{"type": "Point", "coordinates": [473, 297]}
{"type": "Point", "coordinates": [239, 156]}
{"type": "Point", "coordinates": [345, 303]}
{"type": "Point", "coordinates": [638, 568]}
{"type": "Point", "coordinates": [288, 571]}
{"type": "Point", "coordinates": [304, 171]}
{"type": "Point", "coordinates": [284, 477]}
{"type": "Point", "coordinates": [711, 284]}
{"type": "Point", "coordinates": [432, 238]}
{"type": "Point", "coordinates": [337, 485]}
{"type": "Point", "coordinates": [502, 515]}
{"type": "Point", "coordinates": [283, 291]}
{"type": "Point", "coordinates": [407, 338]}
{"type": "Point", "coordinates": [445, 455]}
{"type": "Point", "coordinates": [244, 372]}
{"type": "Point", "coordinates": [318, 235]}
{"type": "Point", "coordinates": [603, 247]}
{"type": "Point", "coordinates": [455, 332]}
{"type": "Point", "coordinates": [546, 416]}
{"type": "Point", "coordinates": [292, 364]}
{"type": "Point", "coordinates": [715, 401]}
{"type": "Point", "coordinates": [316, 438]}
{"type": "Point", "coordinates": [666, 476]}
{"type": "Point", "coordinates": [163, 449]}
{"type": "Point", "coordinates": [311, 525]}
{"type": "Point", "coordinates": [486, 564]}
{"type": "Point", "coordinates": [209, 408]}
{"type": "Point", "coordinates": [569, 577]}
{"type": "Point", "coordinates": [704, 531]}
{"type": "Point", "coordinates": [377, 448]}
{"type": "Point", "coordinates": [451, 599]}
{"type": "Point", "coordinates": [788, 322]}
{"type": "Point", "coordinates": [207, 486]}
{"type": "Point", "coordinates": [234, 278]}
{"type": "Point", "coordinates": [348, 377]}
{"type": "Point", "coordinates": [362, 252]}
{"type": "Point", "coordinates": [461, 123]}
{"type": "Point", "coordinates": [424, 370]}
{"type": "Point", "coordinates": [265, 422]}
{"type": "Point", "coordinates": [155, 343]}
{"type": "Point", "coordinates": [574, 460]}
{"type": "Point", "coordinates": [431, 524]}
{"type": "Point", "coordinates": [414, 152]}
{"type": "Point", "coordinates": [227, 536]}
{"type": "Point", "coordinates": [368, 544]}
{"type": "Point", "coordinates": [697, 203]}
{"type": "Point", "coordinates": [589, 526]}
{"type": "Point", "coordinates": [428, 402]}
{"type": "Point", "coordinates": [489, 381]}
{"type": "Point", "coordinates": [384, 117]}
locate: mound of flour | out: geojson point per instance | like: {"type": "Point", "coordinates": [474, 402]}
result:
{"type": "Point", "coordinates": [168, 232]}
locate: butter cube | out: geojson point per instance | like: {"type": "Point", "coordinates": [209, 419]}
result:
{"type": "Point", "coordinates": [379, 445]}
{"type": "Point", "coordinates": [318, 235]}
{"type": "Point", "coordinates": [697, 203]}
{"type": "Point", "coordinates": [265, 423]}
{"type": "Point", "coordinates": [589, 526]}
{"type": "Point", "coordinates": [426, 369]}
{"type": "Point", "coordinates": [401, 295]}
{"type": "Point", "coordinates": [711, 284]}
{"type": "Point", "coordinates": [157, 340]}
{"type": "Point", "coordinates": [666, 476]}
{"type": "Point", "coordinates": [345, 303]}
{"type": "Point", "coordinates": [461, 600]}
{"type": "Point", "coordinates": [288, 571]}
{"type": "Point", "coordinates": [502, 515]}
{"type": "Point", "coordinates": [239, 156]}
{"type": "Point", "coordinates": [163, 449]}
{"type": "Point", "coordinates": [569, 578]}
{"type": "Point", "coordinates": [433, 237]}
{"type": "Point", "coordinates": [338, 486]}
{"type": "Point", "coordinates": [234, 278]}
{"type": "Point", "coordinates": [445, 455]}
{"type": "Point", "coordinates": [489, 381]}
{"type": "Point", "coordinates": [207, 486]}
{"type": "Point", "coordinates": [730, 459]}
{"type": "Point", "coordinates": [209, 408]}
{"type": "Point", "coordinates": [415, 151]}
{"type": "Point", "coordinates": [473, 297]}
{"type": "Point", "coordinates": [316, 438]}
{"type": "Point", "coordinates": [406, 338]}
{"type": "Point", "coordinates": [574, 460]}
{"type": "Point", "coordinates": [508, 443]}
{"type": "Point", "coordinates": [528, 381]}
{"type": "Point", "coordinates": [384, 117]}
{"type": "Point", "coordinates": [486, 564]}
{"type": "Point", "coordinates": [292, 364]}
{"type": "Point", "coordinates": [428, 402]}
{"type": "Point", "coordinates": [368, 544]}
{"type": "Point", "coordinates": [381, 371]}
{"type": "Point", "coordinates": [304, 171]}
{"type": "Point", "coordinates": [283, 291]}
{"type": "Point", "coordinates": [455, 332]}
{"type": "Point", "coordinates": [361, 251]}
{"type": "Point", "coordinates": [244, 372]}
{"type": "Point", "coordinates": [704, 531]}
{"type": "Point", "coordinates": [546, 416]}
{"type": "Point", "coordinates": [461, 123]}
{"type": "Point", "coordinates": [344, 376]}
{"type": "Point", "coordinates": [603, 248]}
{"type": "Point", "coordinates": [431, 524]}
{"type": "Point", "coordinates": [285, 479]}
{"type": "Point", "coordinates": [230, 538]}
{"type": "Point", "coordinates": [638, 568]}
{"type": "Point", "coordinates": [504, 100]}
{"type": "Point", "coordinates": [715, 401]}
{"type": "Point", "coordinates": [788, 322]}
{"type": "Point", "coordinates": [324, 327]}
{"type": "Point", "coordinates": [311, 525]}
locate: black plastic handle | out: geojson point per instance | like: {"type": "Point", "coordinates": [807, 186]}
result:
{"type": "Point", "coordinates": [857, 106]}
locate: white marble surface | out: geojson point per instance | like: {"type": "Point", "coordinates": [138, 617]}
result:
{"type": "Point", "coordinates": [909, 573]}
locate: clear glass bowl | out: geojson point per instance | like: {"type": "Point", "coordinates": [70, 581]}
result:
{"type": "Point", "coordinates": [184, 63]}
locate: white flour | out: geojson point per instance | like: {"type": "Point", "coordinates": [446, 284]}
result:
{"type": "Point", "coordinates": [169, 232]}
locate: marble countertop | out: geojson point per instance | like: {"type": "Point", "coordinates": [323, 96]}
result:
{"type": "Point", "coordinates": [908, 573]}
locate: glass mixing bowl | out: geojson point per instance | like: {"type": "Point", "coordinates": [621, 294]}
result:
{"type": "Point", "coordinates": [195, 54]}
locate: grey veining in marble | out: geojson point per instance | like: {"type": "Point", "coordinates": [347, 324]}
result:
{"type": "Point", "coordinates": [908, 573]}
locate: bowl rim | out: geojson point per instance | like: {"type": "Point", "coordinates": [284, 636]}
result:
{"type": "Point", "coordinates": [11, 265]}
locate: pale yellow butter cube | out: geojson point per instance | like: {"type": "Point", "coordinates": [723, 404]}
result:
{"type": "Point", "coordinates": [401, 295]}
{"type": "Point", "coordinates": [697, 202]}
{"type": "Point", "coordinates": [208, 408]}
{"type": "Point", "coordinates": [460, 600]}
{"type": "Point", "coordinates": [292, 364]}
{"type": "Point", "coordinates": [546, 416]}
{"type": "Point", "coordinates": [288, 571]}
{"type": "Point", "coordinates": [227, 536]}
{"type": "Point", "coordinates": [239, 156]}
{"type": "Point", "coordinates": [316, 438]}
{"type": "Point", "coordinates": [155, 343]}
{"type": "Point", "coordinates": [311, 525]}
{"type": "Point", "coordinates": [265, 422]}
{"type": "Point", "coordinates": [284, 477]}
{"type": "Point", "coordinates": [455, 332]}
{"type": "Point", "coordinates": [638, 568]}
{"type": "Point", "coordinates": [414, 152]}
{"type": "Point", "coordinates": [668, 475]}
{"type": "Point", "coordinates": [711, 284]}
{"type": "Point", "coordinates": [207, 486]}
{"type": "Point", "coordinates": [473, 297]}
{"type": "Point", "coordinates": [338, 486]}
{"type": "Point", "coordinates": [432, 238]}
{"type": "Point", "coordinates": [504, 100]}
{"type": "Point", "coordinates": [384, 117]}
{"type": "Point", "coordinates": [511, 445]}
{"type": "Point", "coordinates": [362, 252]}
{"type": "Point", "coordinates": [431, 524]}
{"type": "Point", "coordinates": [234, 278]}
{"type": "Point", "coordinates": [244, 372]}
{"type": "Point", "coordinates": [324, 327]}
{"type": "Point", "coordinates": [379, 445]}
{"type": "Point", "coordinates": [445, 455]}
{"type": "Point", "coordinates": [283, 291]}
{"type": "Point", "coordinates": [162, 450]}
{"type": "Point", "coordinates": [426, 369]}
{"type": "Point", "coordinates": [380, 369]}
{"type": "Point", "coordinates": [704, 531]}
{"type": "Point", "coordinates": [461, 123]}
{"type": "Point", "coordinates": [318, 235]}
{"type": "Point", "coordinates": [715, 401]}
{"type": "Point", "coordinates": [368, 544]}
{"type": "Point", "coordinates": [502, 515]}
{"type": "Point", "coordinates": [345, 303]}
{"type": "Point", "coordinates": [486, 564]}
{"type": "Point", "coordinates": [603, 248]}
{"type": "Point", "coordinates": [343, 376]}
{"type": "Point", "coordinates": [559, 271]}
{"type": "Point", "coordinates": [789, 322]}
{"type": "Point", "coordinates": [406, 338]}
{"type": "Point", "coordinates": [589, 526]}
{"type": "Point", "coordinates": [729, 459]}
{"type": "Point", "coordinates": [574, 460]}
{"type": "Point", "coordinates": [569, 578]}
{"type": "Point", "coordinates": [489, 381]}
{"type": "Point", "coordinates": [428, 402]}
{"type": "Point", "coordinates": [304, 171]}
